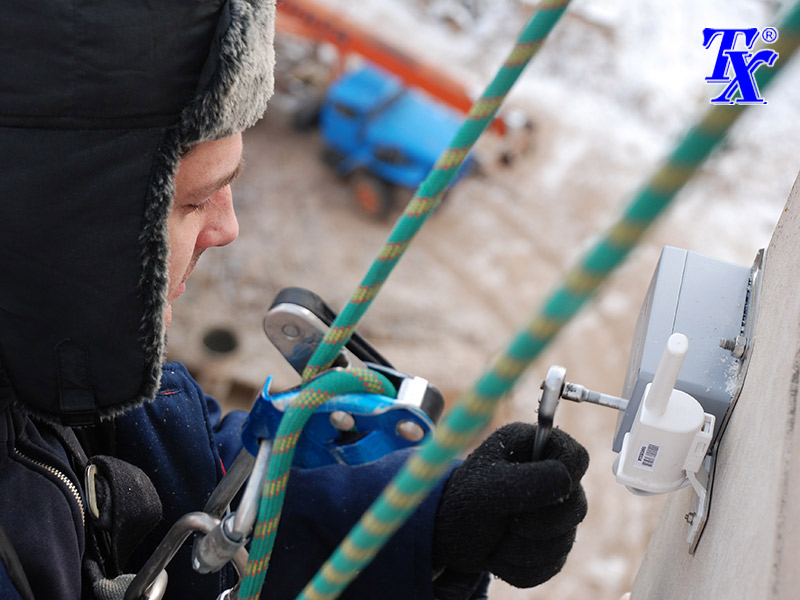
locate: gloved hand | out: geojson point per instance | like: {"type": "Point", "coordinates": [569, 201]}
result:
{"type": "Point", "coordinates": [504, 513]}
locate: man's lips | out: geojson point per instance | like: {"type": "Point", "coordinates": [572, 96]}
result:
{"type": "Point", "coordinates": [182, 287]}
{"type": "Point", "coordinates": [176, 292]}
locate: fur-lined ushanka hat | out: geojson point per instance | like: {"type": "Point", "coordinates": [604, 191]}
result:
{"type": "Point", "coordinates": [96, 102]}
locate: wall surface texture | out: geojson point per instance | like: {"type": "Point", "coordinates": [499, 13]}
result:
{"type": "Point", "coordinates": [752, 537]}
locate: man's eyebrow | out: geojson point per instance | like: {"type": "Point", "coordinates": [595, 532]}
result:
{"type": "Point", "coordinates": [210, 189]}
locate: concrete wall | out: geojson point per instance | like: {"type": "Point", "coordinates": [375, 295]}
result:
{"type": "Point", "coordinates": [751, 542]}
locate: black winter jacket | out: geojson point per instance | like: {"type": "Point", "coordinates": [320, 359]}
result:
{"type": "Point", "coordinates": [181, 443]}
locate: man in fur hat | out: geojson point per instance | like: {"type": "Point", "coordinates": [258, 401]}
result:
{"type": "Point", "coordinates": [120, 134]}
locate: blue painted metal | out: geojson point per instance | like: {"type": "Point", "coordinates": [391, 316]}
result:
{"type": "Point", "coordinates": [374, 436]}
{"type": "Point", "coordinates": [370, 120]}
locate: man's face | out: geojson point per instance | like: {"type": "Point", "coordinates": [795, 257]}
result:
{"type": "Point", "coordinates": [202, 212]}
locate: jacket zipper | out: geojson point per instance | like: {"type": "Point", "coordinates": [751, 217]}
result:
{"type": "Point", "coordinates": [62, 477]}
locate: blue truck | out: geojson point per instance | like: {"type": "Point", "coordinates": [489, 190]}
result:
{"type": "Point", "coordinates": [383, 135]}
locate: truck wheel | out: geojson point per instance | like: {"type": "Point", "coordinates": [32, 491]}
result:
{"type": "Point", "coordinates": [332, 157]}
{"type": "Point", "coordinates": [373, 195]}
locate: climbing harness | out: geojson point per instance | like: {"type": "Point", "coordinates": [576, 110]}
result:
{"type": "Point", "coordinates": [459, 427]}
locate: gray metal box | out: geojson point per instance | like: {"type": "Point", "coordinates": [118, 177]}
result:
{"type": "Point", "coordinates": [704, 299]}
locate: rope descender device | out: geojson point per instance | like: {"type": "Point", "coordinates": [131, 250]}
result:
{"type": "Point", "coordinates": [349, 428]}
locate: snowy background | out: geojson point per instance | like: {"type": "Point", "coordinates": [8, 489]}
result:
{"type": "Point", "coordinates": [609, 94]}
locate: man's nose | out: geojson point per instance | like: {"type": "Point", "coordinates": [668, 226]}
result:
{"type": "Point", "coordinates": [222, 227]}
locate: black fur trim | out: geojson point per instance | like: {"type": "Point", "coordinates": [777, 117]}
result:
{"type": "Point", "coordinates": [234, 99]}
{"type": "Point", "coordinates": [237, 93]}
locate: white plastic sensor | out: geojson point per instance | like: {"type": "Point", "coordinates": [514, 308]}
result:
{"type": "Point", "coordinates": [671, 433]}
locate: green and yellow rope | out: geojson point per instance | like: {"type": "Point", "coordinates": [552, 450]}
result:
{"type": "Point", "coordinates": [583, 280]}
{"type": "Point", "coordinates": [460, 426]}
{"type": "Point", "coordinates": [430, 191]}
{"type": "Point", "coordinates": [421, 206]}
{"type": "Point", "coordinates": [313, 395]}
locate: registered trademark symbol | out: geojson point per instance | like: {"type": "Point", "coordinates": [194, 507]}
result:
{"type": "Point", "coordinates": [770, 34]}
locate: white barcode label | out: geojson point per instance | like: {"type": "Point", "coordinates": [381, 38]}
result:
{"type": "Point", "coordinates": [646, 458]}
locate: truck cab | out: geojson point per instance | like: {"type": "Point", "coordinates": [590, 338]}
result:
{"type": "Point", "coordinates": [383, 135]}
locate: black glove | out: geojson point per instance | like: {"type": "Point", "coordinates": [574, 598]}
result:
{"type": "Point", "coordinates": [504, 513]}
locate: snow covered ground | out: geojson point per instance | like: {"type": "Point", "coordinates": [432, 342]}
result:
{"type": "Point", "coordinates": [610, 93]}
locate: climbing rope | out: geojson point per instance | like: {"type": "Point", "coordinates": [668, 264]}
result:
{"type": "Point", "coordinates": [421, 206]}
{"type": "Point", "coordinates": [459, 427]}
{"type": "Point", "coordinates": [314, 393]}
{"type": "Point", "coordinates": [430, 191]}
{"type": "Point", "coordinates": [582, 281]}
